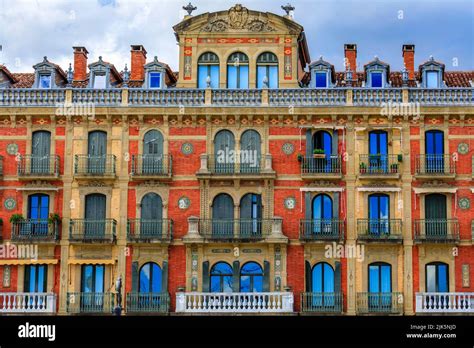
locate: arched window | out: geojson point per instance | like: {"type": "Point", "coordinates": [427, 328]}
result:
{"type": "Point", "coordinates": [378, 152]}
{"type": "Point", "coordinates": [208, 66]}
{"type": "Point", "coordinates": [251, 216]}
{"type": "Point", "coordinates": [38, 213]}
{"type": "Point", "coordinates": [379, 214]}
{"type": "Point", "coordinates": [436, 225]}
{"type": "Point", "coordinates": [153, 153]}
{"type": "Point", "coordinates": [380, 287]}
{"type": "Point", "coordinates": [238, 71]}
{"type": "Point", "coordinates": [322, 141]}
{"type": "Point", "coordinates": [224, 152]}
{"type": "Point", "coordinates": [223, 216]}
{"type": "Point", "coordinates": [267, 69]}
{"type": "Point", "coordinates": [322, 287]}
{"type": "Point", "coordinates": [150, 278]}
{"type": "Point", "coordinates": [40, 153]}
{"type": "Point", "coordinates": [434, 149]}
{"type": "Point", "coordinates": [151, 214]}
{"type": "Point", "coordinates": [97, 151]}
{"type": "Point", "coordinates": [221, 277]}
{"type": "Point", "coordinates": [250, 152]}
{"type": "Point", "coordinates": [322, 209]}
{"type": "Point", "coordinates": [251, 278]}
{"type": "Point", "coordinates": [94, 224]}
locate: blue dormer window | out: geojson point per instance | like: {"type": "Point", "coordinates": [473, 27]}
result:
{"type": "Point", "coordinates": [155, 80]}
{"type": "Point", "coordinates": [321, 79]}
{"type": "Point", "coordinates": [45, 81]}
{"type": "Point", "coordinates": [376, 78]}
{"type": "Point", "coordinates": [432, 79]}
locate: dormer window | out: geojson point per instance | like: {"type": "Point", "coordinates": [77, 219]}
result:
{"type": "Point", "coordinates": [377, 73]}
{"type": "Point", "coordinates": [321, 79]}
{"type": "Point", "coordinates": [432, 79]}
{"type": "Point", "coordinates": [99, 81]}
{"type": "Point", "coordinates": [376, 79]}
{"type": "Point", "coordinates": [155, 73]}
{"type": "Point", "coordinates": [48, 75]}
{"type": "Point", "coordinates": [155, 79]}
{"type": "Point", "coordinates": [431, 73]}
{"type": "Point", "coordinates": [322, 74]}
{"type": "Point", "coordinates": [45, 81]}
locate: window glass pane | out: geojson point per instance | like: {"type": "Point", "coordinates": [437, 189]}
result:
{"type": "Point", "coordinates": [202, 76]}
{"type": "Point", "coordinates": [384, 207]}
{"type": "Point", "coordinates": [373, 207]}
{"type": "Point", "coordinates": [145, 278]}
{"type": "Point", "coordinates": [41, 278]}
{"type": "Point", "coordinates": [99, 81]}
{"type": "Point", "coordinates": [244, 76]}
{"type": "Point", "coordinates": [99, 278]}
{"type": "Point", "coordinates": [155, 80]}
{"type": "Point", "coordinates": [432, 79]}
{"type": "Point", "coordinates": [156, 279]}
{"type": "Point", "coordinates": [442, 278]}
{"type": "Point", "coordinates": [214, 76]}
{"type": "Point", "coordinates": [273, 78]}
{"type": "Point", "coordinates": [327, 207]}
{"type": "Point", "coordinates": [376, 79]}
{"type": "Point", "coordinates": [227, 284]}
{"type": "Point", "coordinates": [257, 284]}
{"type": "Point", "coordinates": [245, 283]}
{"type": "Point", "coordinates": [87, 285]}
{"type": "Point", "coordinates": [328, 278]}
{"type": "Point", "coordinates": [45, 81]}
{"type": "Point", "coordinates": [215, 284]}
{"type": "Point", "coordinates": [261, 73]}
{"type": "Point", "coordinates": [386, 282]}
{"type": "Point", "coordinates": [431, 278]}
{"type": "Point", "coordinates": [317, 207]}
{"type": "Point", "coordinates": [321, 79]}
{"type": "Point", "coordinates": [318, 278]}
{"type": "Point", "coordinates": [231, 76]}
{"type": "Point", "coordinates": [32, 279]}
{"type": "Point", "coordinates": [374, 281]}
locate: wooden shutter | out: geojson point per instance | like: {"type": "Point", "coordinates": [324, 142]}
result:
{"type": "Point", "coordinates": [335, 142]}
{"type": "Point", "coordinates": [153, 143]}
{"type": "Point", "coordinates": [97, 143]}
{"type": "Point", "coordinates": [307, 203]}
{"type": "Point", "coordinates": [135, 276]}
{"type": "Point", "coordinates": [337, 277]}
{"type": "Point", "coordinates": [308, 276]}
{"type": "Point", "coordinates": [205, 276]}
{"type": "Point", "coordinates": [151, 207]}
{"type": "Point", "coordinates": [164, 277]}
{"type": "Point", "coordinates": [266, 276]}
{"type": "Point", "coordinates": [236, 276]}
{"type": "Point", "coordinates": [309, 143]}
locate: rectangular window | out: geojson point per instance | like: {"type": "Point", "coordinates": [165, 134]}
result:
{"type": "Point", "coordinates": [155, 80]}
{"type": "Point", "coordinates": [45, 81]}
{"type": "Point", "coordinates": [432, 79]}
{"type": "Point", "coordinates": [376, 79]}
{"type": "Point", "coordinates": [35, 278]}
{"type": "Point", "coordinates": [99, 81]}
{"type": "Point", "coordinates": [321, 80]}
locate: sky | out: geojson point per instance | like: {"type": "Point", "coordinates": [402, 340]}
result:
{"type": "Point", "coordinates": [32, 29]}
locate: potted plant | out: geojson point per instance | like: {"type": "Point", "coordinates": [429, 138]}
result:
{"type": "Point", "coordinates": [16, 218]}
{"type": "Point", "coordinates": [54, 218]}
{"type": "Point", "coordinates": [299, 157]}
{"type": "Point", "coordinates": [363, 168]}
{"type": "Point", "coordinates": [400, 157]}
{"type": "Point", "coordinates": [394, 168]}
{"type": "Point", "coordinates": [319, 153]}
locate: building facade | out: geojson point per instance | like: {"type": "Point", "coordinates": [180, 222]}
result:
{"type": "Point", "coordinates": [254, 180]}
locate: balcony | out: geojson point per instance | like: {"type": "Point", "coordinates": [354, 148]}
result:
{"type": "Point", "coordinates": [307, 97]}
{"type": "Point", "coordinates": [235, 229]}
{"type": "Point", "coordinates": [27, 302]}
{"type": "Point", "coordinates": [99, 97]}
{"type": "Point", "coordinates": [148, 167]}
{"type": "Point", "coordinates": [434, 166]}
{"type": "Point", "coordinates": [165, 97]}
{"type": "Point", "coordinates": [31, 97]}
{"type": "Point", "coordinates": [380, 303]}
{"type": "Point", "coordinates": [148, 302]}
{"type": "Point", "coordinates": [236, 97]}
{"type": "Point", "coordinates": [445, 302]}
{"type": "Point", "coordinates": [244, 302]}
{"type": "Point", "coordinates": [321, 230]}
{"type": "Point", "coordinates": [379, 166]}
{"type": "Point", "coordinates": [90, 302]}
{"type": "Point", "coordinates": [92, 231]}
{"type": "Point", "coordinates": [442, 96]}
{"type": "Point", "coordinates": [38, 167]}
{"type": "Point", "coordinates": [140, 230]}
{"type": "Point", "coordinates": [94, 166]}
{"type": "Point", "coordinates": [35, 230]}
{"type": "Point", "coordinates": [321, 302]}
{"type": "Point", "coordinates": [436, 231]}
{"type": "Point", "coordinates": [376, 96]}
{"type": "Point", "coordinates": [251, 168]}
{"type": "Point", "coordinates": [379, 230]}
{"type": "Point", "coordinates": [321, 168]}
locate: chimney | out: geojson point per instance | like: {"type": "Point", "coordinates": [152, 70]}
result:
{"type": "Point", "coordinates": [80, 63]}
{"type": "Point", "coordinates": [138, 57]}
{"type": "Point", "coordinates": [409, 60]}
{"type": "Point", "coordinates": [350, 54]}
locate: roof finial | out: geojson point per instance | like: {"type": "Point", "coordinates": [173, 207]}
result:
{"type": "Point", "coordinates": [70, 75]}
{"type": "Point", "coordinates": [321, 57]}
{"type": "Point", "coordinates": [155, 59]}
{"type": "Point", "coordinates": [189, 8]}
{"type": "Point", "coordinates": [45, 59]}
{"type": "Point", "coordinates": [431, 58]}
{"type": "Point", "coordinates": [100, 58]}
{"type": "Point", "coordinates": [288, 8]}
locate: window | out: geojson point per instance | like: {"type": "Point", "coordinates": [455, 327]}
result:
{"type": "Point", "coordinates": [92, 288]}
{"type": "Point", "coordinates": [221, 278]}
{"type": "Point", "coordinates": [150, 278]}
{"type": "Point", "coordinates": [379, 214]}
{"type": "Point", "coordinates": [99, 81]}
{"type": "Point", "coordinates": [321, 79]}
{"type": "Point", "coordinates": [224, 156]}
{"type": "Point", "coordinates": [95, 224]}
{"type": "Point", "coordinates": [267, 69]}
{"type": "Point", "coordinates": [38, 212]}
{"type": "Point", "coordinates": [322, 214]}
{"type": "Point", "coordinates": [97, 150]}
{"type": "Point", "coordinates": [208, 66]}
{"type": "Point", "coordinates": [378, 151]}
{"type": "Point", "coordinates": [223, 216]}
{"type": "Point", "coordinates": [45, 81]}
{"type": "Point", "coordinates": [238, 71]}
{"type": "Point", "coordinates": [434, 149]}
{"type": "Point", "coordinates": [151, 212]}
{"type": "Point", "coordinates": [376, 79]}
{"type": "Point", "coordinates": [322, 140]}
{"type": "Point", "coordinates": [40, 153]}
{"type": "Point", "coordinates": [320, 153]}
{"type": "Point", "coordinates": [436, 225]}
{"type": "Point", "coordinates": [432, 79]}
{"type": "Point", "coordinates": [250, 148]}
{"type": "Point", "coordinates": [437, 277]}
{"type": "Point", "coordinates": [251, 215]}
{"type": "Point", "coordinates": [322, 286]}
{"type": "Point", "coordinates": [251, 278]}
{"type": "Point", "coordinates": [380, 286]}
{"type": "Point", "coordinates": [35, 278]}
{"type": "Point", "coordinates": [155, 79]}
{"type": "Point", "coordinates": [152, 160]}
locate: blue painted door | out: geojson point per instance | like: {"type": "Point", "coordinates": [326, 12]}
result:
{"type": "Point", "coordinates": [38, 213]}
{"type": "Point", "coordinates": [434, 148]}
{"type": "Point", "coordinates": [380, 287]}
{"type": "Point", "coordinates": [92, 288]}
{"type": "Point", "coordinates": [322, 215]}
{"type": "Point", "coordinates": [323, 285]}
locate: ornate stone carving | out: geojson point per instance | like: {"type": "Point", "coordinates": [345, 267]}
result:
{"type": "Point", "coordinates": [238, 18]}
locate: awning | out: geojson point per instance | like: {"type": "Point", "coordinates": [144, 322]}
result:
{"type": "Point", "coordinates": [321, 189]}
{"type": "Point", "coordinates": [419, 190]}
{"type": "Point", "coordinates": [29, 262]}
{"type": "Point", "coordinates": [379, 189]}
{"type": "Point", "coordinates": [38, 189]}
{"type": "Point", "coordinates": [91, 261]}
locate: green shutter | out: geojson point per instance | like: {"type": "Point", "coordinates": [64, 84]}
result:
{"type": "Point", "coordinates": [205, 276]}
{"type": "Point", "coordinates": [236, 276]}
{"type": "Point", "coordinates": [308, 276]}
{"type": "Point", "coordinates": [337, 277]}
{"type": "Point", "coordinates": [266, 276]}
{"type": "Point", "coordinates": [135, 276]}
{"type": "Point", "coordinates": [26, 287]}
{"type": "Point", "coordinates": [164, 277]}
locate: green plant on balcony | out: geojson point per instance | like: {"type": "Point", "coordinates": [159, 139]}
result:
{"type": "Point", "coordinates": [299, 157]}
{"type": "Point", "coordinates": [16, 218]}
{"type": "Point", "coordinates": [319, 153]}
{"type": "Point", "coordinates": [400, 158]}
{"type": "Point", "coordinates": [54, 218]}
{"type": "Point", "coordinates": [363, 168]}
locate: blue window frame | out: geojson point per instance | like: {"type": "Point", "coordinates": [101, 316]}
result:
{"type": "Point", "coordinates": [35, 278]}
{"type": "Point", "coordinates": [321, 79]}
{"type": "Point", "coordinates": [378, 151]}
{"type": "Point", "coordinates": [380, 286]}
{"type": "Point", "coordinates": [45, 81]}
{"type": "Point", "coordinates": [155, 79]}
{"type": "Point", "coordinates": [434, 149]}
{"type": "Point", "coordinates": [322, 214]}
{"type": "Point", "coordinates": [437, 277]}
{"type": "Point", "coordinates": [208, 65]}
{"type": "Point", "coordinates": [223, 216]}
{"type": "Point", "coordinates": [379, 214]}
{"type": "Point", "coordinates": [267, 66]}
{"type": "Point", "coordinates": [251, 278]}
{"type": "Point", "coordinates": [238, 71]}
{"type": "Point", "coordinates": [93, 278]}
{"type": "Point", "coordinates": [432, 79]}
{"type": "Point", "coordinates": [322, 140]}
{"type": "Point", "coordinates": [150, 278]}
{"type": "Point", "coordinates": [323, 278]}
{"type": "Point", "coordinates": [38, 209]}
{"type": "Point", "coordinates": [376, 79]}
{"type": "Point", "coordinates": [251, 215]}
{"type": "Point", "coordinates": [221, 278]}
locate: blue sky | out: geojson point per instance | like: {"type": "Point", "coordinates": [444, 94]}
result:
{"type": "Point", "coordinates": [31, 29]}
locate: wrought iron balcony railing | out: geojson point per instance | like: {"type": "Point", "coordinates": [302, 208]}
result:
{"type": "Point", "coordinates": [90, 302]}
{"type": "Point", "coordinates": [142, 230]}
{"type": "Point", "coordinates": [379, 229]}
{"type": "Point", "coordinates": [148, 302]}
{"type": "Point", "coordinates": [324, 166]}
{"type": "Point", "coordinates": [27, 302]}
{"type": "Point", "coordinates": [89, 165]}
{"type": "Point", "coordinates": [436, 230]}
{"type": "Point", "coordinates": [38, 166]}
{"type": "Point", "coordinates": [235, 229]}
{"type": "Point", "coordinates": [86, 230]}
{"type": "Point", "coordinates": [380, 302]}
{"type": "Point", "coordinates": [35, 230]}
{"type": "Point", "coordinates": [151, 166]}
{"type": "Point", "coordinates": [435, 165]}
{"type": "Point", "coordinates": [243, 302]}
{"type": "Point", "coordinates": [380, 164]}
{"type": "Point", "coordinates": [321, 229]}
{"type": "Point", "coordinates": [321, 302]}
{"type": "Point", "coordinates": [445, 302]}
{"type": "Point", "coordinates": [253, 166]}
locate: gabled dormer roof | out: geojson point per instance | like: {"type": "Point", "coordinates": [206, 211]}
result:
{"type": "Point", "coordinates": [377, 64]}
{"type": "Point", "coordinates": [46, 65]}
{"type": "Point", "coordinates": [321, 63]}
{"type": "Point", "coordinates": [430, 64]}
{"type": "Point", "coordinates": [103, 65]}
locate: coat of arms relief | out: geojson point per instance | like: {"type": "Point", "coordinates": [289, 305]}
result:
{"type": "Point", "coordinates": [238, 18]}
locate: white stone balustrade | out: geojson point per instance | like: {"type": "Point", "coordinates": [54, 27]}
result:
{"type": "Point", "coordinates": [445, 302]}
{"type": "Point", "coordinates": [27, 302]}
